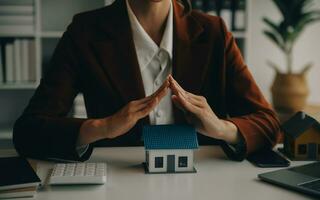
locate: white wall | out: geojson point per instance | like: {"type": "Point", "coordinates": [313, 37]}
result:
{"type": "Point", "coordinates": [260, 49]}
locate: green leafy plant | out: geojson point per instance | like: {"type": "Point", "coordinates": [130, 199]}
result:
{"type": "Point", "coordinates": [296, 15]}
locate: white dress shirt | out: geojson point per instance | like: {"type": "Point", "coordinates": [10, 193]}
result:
{"type": "Point", "coordinates": [155, 64]}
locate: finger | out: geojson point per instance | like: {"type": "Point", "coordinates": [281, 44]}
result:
{"type": "Point", "coordinates": [147, 109]}
{"type": "Point", "coordinates": [195, 96]}
{"type": "Point", "coordinates": [143, 103]}
{"type": "Point", "coordinates": [176, 90]}
{"type": "Point", "coordinates": [136, 105]}
{"type": "Point", "coordinates": [187, 97]}
{"type": "Point", "coordinates": [174, 82]}
{"type": "Point", "coordinates": [164, 86]}
{"type": "Point", "coordinates": [139, 104]}
{"type": "Point", "coordinates": [188, 106]}
{"type": "Point", "coordinates": [194, 101]}
{"type": "Point", "coordinates": [162, 94]}
{"type": "Point", "coordinates": [159, 92]}
{"type": "Point", "coordinates": [197, 100]}
{"type": "Point", "coordinates": [177, 102]}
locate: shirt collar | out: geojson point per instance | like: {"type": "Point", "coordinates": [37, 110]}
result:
{"type": "Point", "coordinates": [145, 47]}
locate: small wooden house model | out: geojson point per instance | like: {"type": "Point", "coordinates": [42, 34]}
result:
{"type": "Point", "coordinates": [302, 137]}
{"type": "Point", "coordinates": [169, 148]}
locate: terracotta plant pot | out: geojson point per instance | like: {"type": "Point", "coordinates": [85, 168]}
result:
{"type": "Point", "coordinates": [289, 92]}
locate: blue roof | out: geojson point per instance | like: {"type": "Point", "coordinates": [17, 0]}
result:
{"type": "Point", "coordinates": [169, 137]}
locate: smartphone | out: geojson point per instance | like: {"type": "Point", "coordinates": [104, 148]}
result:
{"type": "Point", "coordinates": [268, 158]}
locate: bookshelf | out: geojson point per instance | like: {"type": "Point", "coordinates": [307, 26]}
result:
{"type": "Point", "coordinates": [47, 28]}
{"type": "Point", "coordinates": [235, 14]}
{"type": "Point", "coordinates": [50, 21]}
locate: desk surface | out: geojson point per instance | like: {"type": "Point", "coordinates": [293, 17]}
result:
{"type": "Point", "coordinates": [217, 178]}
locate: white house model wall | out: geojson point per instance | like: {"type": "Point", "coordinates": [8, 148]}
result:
{"type": "Point", "coordinates": [152, 154]}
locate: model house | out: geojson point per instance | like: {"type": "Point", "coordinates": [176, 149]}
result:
{"type": "Point", "coordinates": [302, 137]}
{"type": "Point", "coordinates": [169, 148]}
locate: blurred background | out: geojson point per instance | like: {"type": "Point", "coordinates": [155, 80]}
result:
{"type": "Point", "coordinates": [279, 42]}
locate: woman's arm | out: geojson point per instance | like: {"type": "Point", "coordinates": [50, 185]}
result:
{"type": "Point", "coordinates": [248, 109]}
{"type": "Point", "coordinates": [252, 124]}
{"type": "Point", "coordinates": [43, 130]}
{"type": "Point", "coordinates": [121, 122]}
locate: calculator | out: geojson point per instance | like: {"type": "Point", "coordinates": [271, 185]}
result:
{"type": "Point", "coordinates": [78, 173]}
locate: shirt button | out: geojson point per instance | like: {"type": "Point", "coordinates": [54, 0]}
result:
{"type": "Point", "coordinates": [159, 113]}
{"type": "Point", "coordinates": [160, 54]}
{"type": "Point", "coordinates": [157, 82]}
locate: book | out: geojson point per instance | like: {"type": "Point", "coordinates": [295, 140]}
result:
{"type": "Point", "coordinates": [17, 20]}
{"type": "Point", "coordinates": [32, 61]}
{"type": "Point", "coordinates": [240, 19]}
{"type": "Point", "coordinates": [18, 193]}
{"type": "Point", "coordinates": [16, 173]}
{"type": "Point", "coordinates": [16, 29]}
{"type": "Point", "coordinates": [16, 10]}
{"type": "Point", "coordinates": [17, 60]}
{"type": "Point", "coordinates": [226, 16]}
{"type": "Point", "coordinates": [9, 62]}
{"type": "Point", "coordinates": [16, 2]}
{"type": "Point", "coordinates": [210, 7]}
{"type": "Point", "coordinates": [212, 12]}
{"type": "Point", "coordinates": [1, 65]}
{"type": "Point", "coordinates": [3, 59]}
{"type": "Point", "coordinates": [24, 60]}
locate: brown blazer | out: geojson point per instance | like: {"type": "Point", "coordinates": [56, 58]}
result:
{"type": "Point", "coordinates": [96, 56]}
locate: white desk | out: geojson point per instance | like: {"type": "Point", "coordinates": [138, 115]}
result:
{"type": "Point", "coordinates": [217, 178]}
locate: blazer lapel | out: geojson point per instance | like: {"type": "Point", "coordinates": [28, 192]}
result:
{"type": "Point", "coordinates": [116, 53]}
{"type": "Point", "coordinates": [190, 56]}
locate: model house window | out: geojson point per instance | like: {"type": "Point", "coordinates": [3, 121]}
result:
{"type": "Point", "coordinates": [183, 161]}
{"type": "Point", "coordinates": [302, 149]}
{"type": "Point", "coordinates": [158, 162]}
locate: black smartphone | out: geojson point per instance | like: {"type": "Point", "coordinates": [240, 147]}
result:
{"type": "Point", "coordinates": [268, 158]}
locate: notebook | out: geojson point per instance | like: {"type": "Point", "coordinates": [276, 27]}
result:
{"type": "Point", "coordinates": [15, 173]}
{"type": "Point", "coordinates": [21, 192]}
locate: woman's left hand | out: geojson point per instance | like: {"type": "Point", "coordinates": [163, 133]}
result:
{"type": "Point", "coordinates": [199, 113]}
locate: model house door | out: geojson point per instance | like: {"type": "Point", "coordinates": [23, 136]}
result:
{"type": "Point", "coordinates": [171, 163]}
{"type": "Point", "coordinates": [312, 151]}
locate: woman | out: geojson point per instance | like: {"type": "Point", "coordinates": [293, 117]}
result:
{"type": "Point", "coordinates": [118, 57]}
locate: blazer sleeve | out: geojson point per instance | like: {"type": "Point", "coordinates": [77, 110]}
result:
{"type": "Point", "coordinates": [44, 131]}
{"type": "Point", "coordinates": [246, 105]}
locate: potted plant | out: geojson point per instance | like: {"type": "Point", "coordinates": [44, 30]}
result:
{"type": "Point", "coordinates": [289, 89]}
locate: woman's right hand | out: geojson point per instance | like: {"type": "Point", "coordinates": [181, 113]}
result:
{"type": "Point", "coordinates": [122, 121]}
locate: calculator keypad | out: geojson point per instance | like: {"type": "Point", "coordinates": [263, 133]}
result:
{"type": "Point", "coordinates": [79, 173]}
